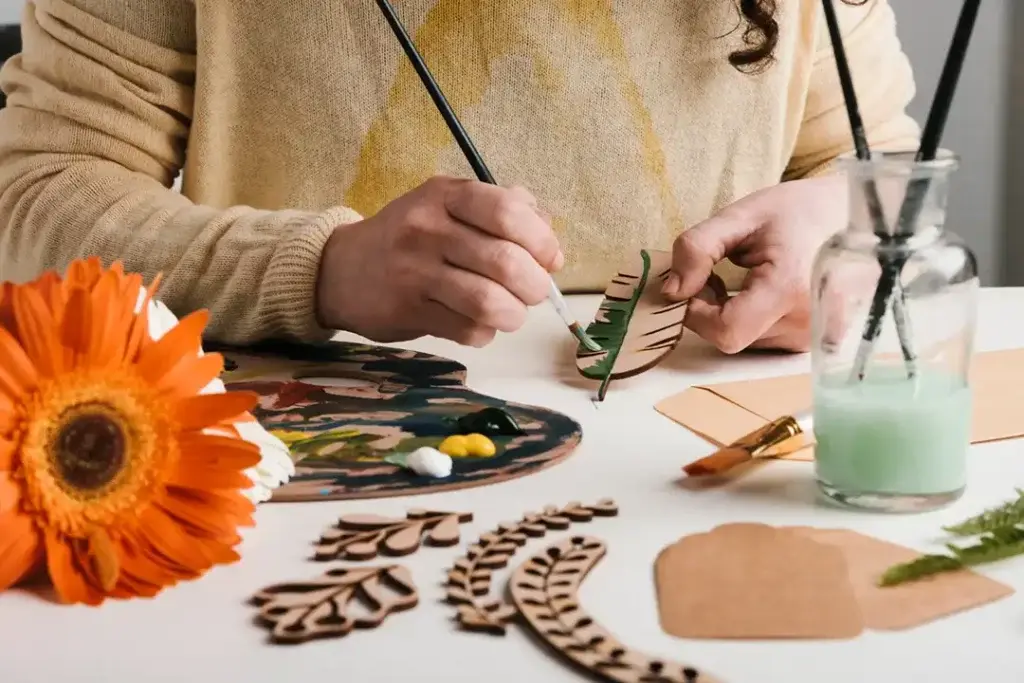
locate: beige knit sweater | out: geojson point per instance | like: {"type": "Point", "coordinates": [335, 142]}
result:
{"type": "Point", "coordinates": [288, 117]}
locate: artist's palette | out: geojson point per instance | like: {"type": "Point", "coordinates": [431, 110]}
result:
{"type": "Point", "coordinates": [343, 407]}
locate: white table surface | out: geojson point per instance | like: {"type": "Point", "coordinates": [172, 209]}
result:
{"type": "Point", "coordinates": [202, 631]}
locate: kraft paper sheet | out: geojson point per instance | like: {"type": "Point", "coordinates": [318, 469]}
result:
{"type": "Point", "coordinates": [722, 413]}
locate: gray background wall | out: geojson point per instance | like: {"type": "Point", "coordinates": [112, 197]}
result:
{"type": "Point", "coordinates": [981, 208]}
{"type": "Point", "coordinates": [977, 127]}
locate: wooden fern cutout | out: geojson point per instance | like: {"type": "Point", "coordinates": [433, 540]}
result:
{"type": "Point", "coordinates": [634, 325]}
{"type": "Point", "coordinates": [363, 537]}
{"type": "Point", "coordinates": [545, 590]}
{"type": "Point", "coordinates": [469, 579]}
{"type": "Point", "coordinates": [301, 611]}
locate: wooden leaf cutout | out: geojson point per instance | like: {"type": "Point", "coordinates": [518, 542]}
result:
{"type": "Point", "coordinates": [319, 608]}
{"type": "Point", "coordinates": [363, 537]}
{"type": "Point", "coordinates": [545, 590]}
{"type": "Point", "coordinates": [634, 325]}
{"type": "Point", "coordinates": [469, 579]}
{"type": "Point", "coordinates": [445, 533]}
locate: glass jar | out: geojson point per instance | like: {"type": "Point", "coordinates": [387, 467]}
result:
{"type": "Point", "coordinates": [894, 309]}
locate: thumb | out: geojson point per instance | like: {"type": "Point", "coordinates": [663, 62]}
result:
{"type": "Point", "coordinates": [697, 250]}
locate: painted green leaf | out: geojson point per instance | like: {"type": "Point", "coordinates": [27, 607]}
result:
{"type": "Point", "coordinates": [634, 325]}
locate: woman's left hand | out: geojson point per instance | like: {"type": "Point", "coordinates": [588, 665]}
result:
{"type": "Point", "coordinates": [775, 233]}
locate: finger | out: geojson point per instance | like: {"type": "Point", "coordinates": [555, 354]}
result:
{"type": "Point", "coordinates": [508, 214]}
{"type": "Point", "coordinates": [743, 319]}
{"type": "Point", "coordinates": [504, 262]}
{"type": "Point", "coordinates": [785, 335]}
{"type": "Point", "coordinates": [696, 251]}
{"type": "Point", "coordinates": [444, 323]}
{"type": "Point", "coordinates": [478, 298]}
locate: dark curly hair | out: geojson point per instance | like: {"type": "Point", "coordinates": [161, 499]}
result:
{"type": "Point", "coordinates": [761, 34]}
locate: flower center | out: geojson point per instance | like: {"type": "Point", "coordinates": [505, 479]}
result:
{"type": "Point", "coordinates": [89, 449]}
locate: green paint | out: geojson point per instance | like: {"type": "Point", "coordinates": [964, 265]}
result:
{"type": "Point", "coordinates": [611, 333]}
{"type": "Point", "coordinates": [489, 422]}
{"type": "Point", "coordinates": [887, 435]}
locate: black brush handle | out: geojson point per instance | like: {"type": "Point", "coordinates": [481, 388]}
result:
{"type": "Point", "coordinates": [469, 150]}
{"type": "Point", "coordinates": [918, 188]}
{"type": "Point", "coordinates": [863, 151]}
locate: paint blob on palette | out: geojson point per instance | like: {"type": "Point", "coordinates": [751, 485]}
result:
{"type": "Point", "coordinates": [343, 408]}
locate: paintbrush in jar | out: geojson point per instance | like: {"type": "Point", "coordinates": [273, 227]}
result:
{"type": "Point", "coordinates": [779, 437]}
{"type": "Point", "coordinates": [469, 150]}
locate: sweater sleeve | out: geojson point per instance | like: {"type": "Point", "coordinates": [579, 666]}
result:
{"type": "Point", "coordinates": [93, 136]}
{"type": "Point", "coordinates": [882, 78]}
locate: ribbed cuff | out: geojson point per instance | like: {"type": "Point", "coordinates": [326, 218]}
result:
{"type": "Point", "coordinates": [289, 287]}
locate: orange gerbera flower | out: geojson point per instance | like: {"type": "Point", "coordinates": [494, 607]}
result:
{"type": "Point", "coordinates": [115, 472]}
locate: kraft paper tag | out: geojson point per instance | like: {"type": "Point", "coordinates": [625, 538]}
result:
{"type": "Point", "coordinates": [756, 582]}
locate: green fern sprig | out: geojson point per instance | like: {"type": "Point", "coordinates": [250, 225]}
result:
{"type": "Point", "coordinates": [997, 544]}
{"type": "Point", "coordinates": [1006, 515]}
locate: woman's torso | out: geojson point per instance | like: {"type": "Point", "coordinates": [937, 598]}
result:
{"type": "Point", "coordinates": [624, 117]}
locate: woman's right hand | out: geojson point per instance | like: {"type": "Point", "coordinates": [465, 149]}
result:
{"type": "Point", "coordinates": [456, 259]}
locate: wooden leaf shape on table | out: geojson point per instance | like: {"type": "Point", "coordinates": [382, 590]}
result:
{"type": "Point", "coordinates": [469, 579]}
{"type": "Point", "coordinates": [634, 325]}
{"type": "Point", "coordinates": [545, 590]}
{"type": "Point", "coordinates": [363, 537]}
{"type": "Point", "coordinates": [320, 608]}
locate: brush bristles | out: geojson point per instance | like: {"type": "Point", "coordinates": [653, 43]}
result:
{"type": "Point", "coordinates": [718, 462]}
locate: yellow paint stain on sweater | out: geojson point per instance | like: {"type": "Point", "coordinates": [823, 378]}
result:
{"type": "Point", "coordinates": [410, 128]}
{"type": "Point", "coordinates": [599, 16]}
{"type": "Point", "coordinates": [413, 135]}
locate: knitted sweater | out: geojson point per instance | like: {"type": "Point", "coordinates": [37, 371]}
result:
{"type": "Point", "coordinates": [288, 118]}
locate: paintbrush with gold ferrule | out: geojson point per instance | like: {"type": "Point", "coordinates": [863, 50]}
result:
{"type": "Point", "coordinates": [779, 437]}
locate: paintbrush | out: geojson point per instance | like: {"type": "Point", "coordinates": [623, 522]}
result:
{"type": "Point", "coordinates": [469, 150]}
{"type": "Point", "coordinates": [779, 437]}
{"type": "Point", "coordinates": [863, 152]}
{"type": "Point", "coordinates": [918, 187]}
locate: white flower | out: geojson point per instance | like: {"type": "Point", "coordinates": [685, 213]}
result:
{"type": "Point", "coordinates": [275, 466]}
{"type": "Point", "coordinates": [429, 462]}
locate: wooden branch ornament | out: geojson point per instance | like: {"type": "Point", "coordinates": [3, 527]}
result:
{"type": "Point", "coordinates": [320, 608]}
{"type": "Point", "coordinates": [634, 325]}
{"type": "Point", "coordinates": [363, 537]}
{"type": "Point", "coordinates": [469, 580]}
{"type": "Point", "coordinates": [545, 590]}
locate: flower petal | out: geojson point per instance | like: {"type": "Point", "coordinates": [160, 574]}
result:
{"type": "Point", "coordinates": [174, 549]}
{"type": "Point", "coordinates": [66, 574]}
{"type": "Point", "coordinates": [37, 331]}
{"type": "Point", "coordinates": [139, 572]}
{"type": "Point", "coordinates": [17, 374]}
{"type": "Point", "coordinates": [205, 410]}
{"type": "Point", "coordinates": [10, 493]}
{"type": "Point", "coordinates": [8, 455]}
{"type": "Point", "coordinates": [208, 517]}
{"type": "Point", "coordinates": [200, 476]}
{"type": "Point", "coordinates": [182, 342]}
{"type": "Point", "coordinates": [20, 548]}
{"type": "Point", "coordinates": [77, 322]}
{"type": "Point", "coordinates": [213, 450]}
{"type": "Point", "coordinates": [190, 376]}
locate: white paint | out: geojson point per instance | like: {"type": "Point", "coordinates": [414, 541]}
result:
{"type": "Point", "coordinates": [429, 462]}
{"type": "Point", "coordinates": [629, 452]}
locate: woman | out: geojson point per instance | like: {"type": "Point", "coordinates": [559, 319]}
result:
{"type": "Point", "coordinates": [320, 186]}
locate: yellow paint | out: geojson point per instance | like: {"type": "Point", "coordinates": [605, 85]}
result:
{"type": "Point", "coordinates": [468, 446]}
{"type": "Point", "coordinates": [455, 446]}
{"type": "Point", "coordinates": [411, 131]}
{"type": "Point", "coordinates": [480, 446]}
